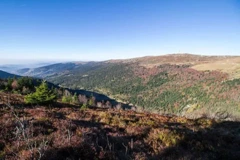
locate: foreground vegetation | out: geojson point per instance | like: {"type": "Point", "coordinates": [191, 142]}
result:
{"type": "Point", "coordinates": [69, 132]}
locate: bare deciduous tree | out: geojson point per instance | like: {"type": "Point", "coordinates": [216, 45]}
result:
{"type": "Point", "coordinates": [24, 133]}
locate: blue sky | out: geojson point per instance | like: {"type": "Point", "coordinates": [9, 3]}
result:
{"type": "Point", "coordinates": [110, 29]}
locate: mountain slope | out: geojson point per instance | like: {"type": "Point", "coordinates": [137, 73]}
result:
{"type": "Point", "coordinates": [5, 75]}
{"type": "Point", "coordinates": [163, 84]}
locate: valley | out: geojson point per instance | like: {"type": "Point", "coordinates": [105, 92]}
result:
{"type": "Point", "coordinates": [179, 84]}
{"type": "Point", "coordinates": [122, 109]}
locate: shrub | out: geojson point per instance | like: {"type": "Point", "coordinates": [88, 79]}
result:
{"type": "Point", "coordinates": [66, 99]}
{"type": "Point", "coordinates": [84, 106]}
{"type": "Point", "coordinates": [170, 138]}
{"type": "Point", "coordinates": [42, 95]}
{"type": "Point", "coordinates": [75, 99]}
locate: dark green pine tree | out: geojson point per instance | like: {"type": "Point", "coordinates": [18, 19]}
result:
{"type": "Point", "coordinates": [42, 95]}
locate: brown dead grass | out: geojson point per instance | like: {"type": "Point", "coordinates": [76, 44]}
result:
{"type": "Point", "coordinates": [178, 59]}
{"type": "Point", "coordinates": [228, 65]}
{"type": "Point", "coordinates": [109, 134]}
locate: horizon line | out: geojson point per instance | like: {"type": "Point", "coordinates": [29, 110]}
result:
{"type": "Point", "coordinates": [34, 61]}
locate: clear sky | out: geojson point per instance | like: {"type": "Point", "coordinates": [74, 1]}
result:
{"type": "Point", "coordinates": [109, 29]}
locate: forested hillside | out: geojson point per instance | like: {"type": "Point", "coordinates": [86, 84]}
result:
{"type": "Point", "coordinates": [163, 88]}
{"type": "Point", "coordinates": [181, 84]}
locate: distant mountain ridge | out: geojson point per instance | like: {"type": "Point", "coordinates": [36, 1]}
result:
{"type": "Point", "coordinates": [58, 68]}
{"type": "Point", "coordinates": [5, 75]}
{"type": "Point", "coordinates": [46, 70]}
{"type": "Point", "coordinates": [12, 68]}
{"type": "Point", "coordinates": [198, 62]}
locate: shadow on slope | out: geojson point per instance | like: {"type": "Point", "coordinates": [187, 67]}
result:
{"type": "Point", "coordinates": [219, 141]}
{"type": "Point", "coordinates": [99, 97]}
{"type": "Point", "coordinates": [196, 139]}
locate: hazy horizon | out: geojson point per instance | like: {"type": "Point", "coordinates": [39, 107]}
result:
{"type": "Point", "coordinates": [41, 62]}
{"type": "Point", "coordinates": [58, 30]}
